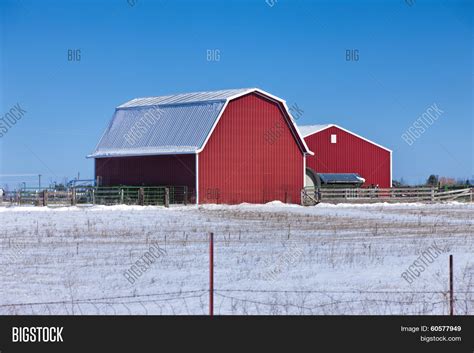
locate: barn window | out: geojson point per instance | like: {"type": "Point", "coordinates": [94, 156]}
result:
{"type": "Point", "coordinates": [333, 138]}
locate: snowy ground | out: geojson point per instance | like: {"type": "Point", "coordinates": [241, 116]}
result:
{"type": "Point", "coordinates": [269, 259]}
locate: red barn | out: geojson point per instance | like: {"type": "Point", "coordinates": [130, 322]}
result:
{"type": "Point", "coordinates": [337, 150]}
{"type": "Point", "coordinates": [227, 146]}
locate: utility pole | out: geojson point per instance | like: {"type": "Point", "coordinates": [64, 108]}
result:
{"type": "Point", "coordinates": [39, 181]}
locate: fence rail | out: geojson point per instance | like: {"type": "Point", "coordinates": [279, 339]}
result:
{"type": "Point", "coordinates": [312, 196]}
{"type": "Point", "coordinates": [119, 195]}
{"type": "Point", "coordinates": [166, 195]}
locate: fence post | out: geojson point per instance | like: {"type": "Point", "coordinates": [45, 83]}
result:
{"type": "Point", "coordinates": [167, 197]}
{"type": "Point", "coordinates": [121, 196]}
{"type": "Point", "coordinates": [73, 196]}
{"type": "Point", "coordinates": [451, 290]}
{"type": "Point", "coordinates": [432, 194]}
{"type": "Point", "coordinates": [45, 198]}
{"type": "Point", "coordinates": [185, 196]}
{"type": "Point", "coordinates": [141, 196]}
{"type": "Point", "coordinates": [211, 274]}
{"type": "Point", "coordinates": [93, 196]}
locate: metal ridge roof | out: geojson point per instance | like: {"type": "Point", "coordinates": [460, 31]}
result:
{"type": "Point", "coordinates": [341, 178]}
{"type": "Point", "coordinates": [174, 124]}
{"type": "Point", "coordinates": [183, 98]}
{"type": "Point", "coordinates": [158, 130]}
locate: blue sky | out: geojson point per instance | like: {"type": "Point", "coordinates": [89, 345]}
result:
{"type": "Point", "coordinates": [410, 57]}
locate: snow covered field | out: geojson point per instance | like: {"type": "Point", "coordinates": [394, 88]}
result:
{"type": "Point", "coordinates": [269, 259]}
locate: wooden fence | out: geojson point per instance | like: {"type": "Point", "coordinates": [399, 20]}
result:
{"type": "Point", "coordinates": [126, 195]}
{"type": "Point", "coordinates": [166, 195]}
{"type": "Point", "coordinates": [312, 196]}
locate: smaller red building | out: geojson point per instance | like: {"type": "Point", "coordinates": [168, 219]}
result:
{"type": "Point", "coordinates": [337, 150]}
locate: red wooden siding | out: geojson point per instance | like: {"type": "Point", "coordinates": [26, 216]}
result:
{"type": "Point", "coordinates": [350, 154]}
{"type": "Point", "coordinates": [178, 170]}
{"type": "Point", "coordinates": [252, 156]}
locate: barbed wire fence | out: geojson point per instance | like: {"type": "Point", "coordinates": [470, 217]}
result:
{"type": "Point", "coordinates": [254, 302]}
{"type": "Point", "coordinates": [251, 301]}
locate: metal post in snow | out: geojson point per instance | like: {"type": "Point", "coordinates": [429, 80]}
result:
{"type": "Point", "coordinates": [141, 196]}
{"type": "Point", "coordinates": [451, 291]}
{"type": "Point", "coordinates": [211, 274]}
{"type": "Point", "coordinates": [73, 196]}
{"type": "Point", "coordinates": [45, 198]}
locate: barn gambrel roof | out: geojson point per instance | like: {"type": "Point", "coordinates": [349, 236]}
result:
{"type": "Point", "coordinates": [174, 124]}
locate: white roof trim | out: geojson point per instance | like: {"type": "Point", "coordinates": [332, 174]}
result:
{"type": "Point", "coordinates": [391, 166]}
{"type": "Point", "coordinates": [138, 154]}
{"type": "Point", "coordinates": [264, 93]}
{"type": "Point", "coordinates": [349, 132]}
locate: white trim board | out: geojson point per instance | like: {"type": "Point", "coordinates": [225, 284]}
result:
{"type": "Point", "coordinates": [197, 178]}
{"type": "Point", "coordinates": [304, 171]}
{"type": "Point", "coordinates": [391, 178]}
{"type": "Point", "coordinates": [147, 154]}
